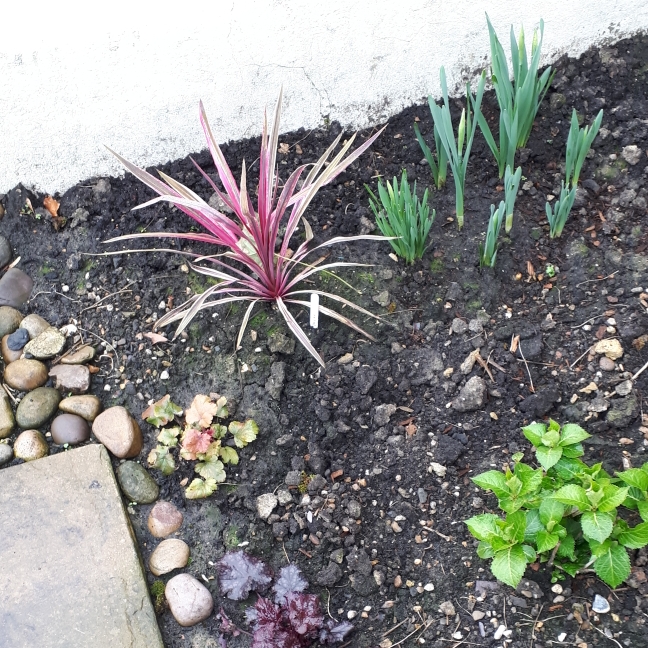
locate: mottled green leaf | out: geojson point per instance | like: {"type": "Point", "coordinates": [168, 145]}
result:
{"type": "Point", "coordinates": [161, 412]}
{"type": "Point", "coordinates": [169, 436]}
{"type": "Point", "coordinates": [243, 433]}
{"type": "Point", "coordinates": [229, 455]}
{"type": "Point", "coordinates": [200, 488]}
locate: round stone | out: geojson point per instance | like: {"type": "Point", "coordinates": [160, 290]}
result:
{"type": "Point", "coordinates": [7, 421]}
{"type": "Point", "coordinates": [5, 252]}
{"type": "Point", "coordinates": [30, 445]}
{"type": "Point", "coordinates": [190, 601]}
{"type": "Point", "coordinates": [47, 345]}
{"type": "Point", "coordinates": [35, 325]}
{"type": "Point", "coordinates": [7, 354]}
{"type": "Point", "coordinates": [17, 340]}
{"type": "Point", "coordinates": [136, 483]}
{"type": "Point", "coordinates": [70, 429]}
{"type": "Point", "coordinates": [6, 453]}
{"type": "Point", "coordinates": [606, 364]}
{"type": "Point", "coordinates": [118, 431]}
{"type": "Point", "coordinates": [10, 319]}
{"type": "Point", "coordinates": [86, 406]}
{"type": "Point", "coordinates": [37, 407]}
{"type": "Point", "coordinates": [71, 378]}
{"type": "Point", "coordinates": [164, 519]}
{"type": "Point", "coordinates": [169, 555]}
{"type": "Point", "coordinates": [25, 375]}
{"type": "Point", "coordinates": [80, 356]}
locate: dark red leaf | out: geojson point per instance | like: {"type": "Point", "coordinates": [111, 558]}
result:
{"type": "Point", "coordinates": [304, 613]}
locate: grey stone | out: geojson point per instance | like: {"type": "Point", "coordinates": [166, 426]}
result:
{"type": "Point", "coordinates": [7, 421]}
{"type": "Point", "coordinates": [90, 577]}
{"type": "Point", "coordinates": [8, 355]}
{"type": "Point", "coordinates": [169, 555]}
{"type": "Point", "coordinates": [383, 413]}
{"type": "Point", "coordinates": [600, 605]}
{"type": "Point", "coordinates": [265, 504]}
{"type": "Point", "coordinates": [454, 292]}
{"type": "Point", "coordinates": [623, 411]}
{"type": "Point", "coordinates": [382, 298]}
{"type": "Point", "coordinates": [136, 483]}
{"type": "Point", "coordinates": [329, 576]}
{"type": "Point", "coordinates": [476, 326]}
{"type": "Point", "coordinates": [15, 288]}
{"type": "Point", "coordinates": [458, 326]}
{"type": "Point", "coordinates": [472, 395]}
{"type": "Point", "coordinates": [164, 519]}
{"type": "Point", "coordinates": [420, 365]}
{"type": "Point", "coordinates": [541, 402]}
{"type": "Point", "coordinates": [85, 406]}
{"type": "Point", "coordinates": [354, 509]}
{"type": "Point", "coordinates": [359, 561]}
{"type": "Point", "coordinates": [70, 378]}
{"type": "Point", "coordinates": [447, 608]}
{"type": "Point", "coordinates": [531, 347]}
{"type": "Point", "coordinates": [5, 252]}
{"type": "Point", "coordinates": [189, 600]}
{"type": "Point", "coordinates": [606, 364]}
{"type": "Point", "coordinates": [119, 432]}
{"type": "Point", "coordinates": [529, 589]}
{"type": "Point", "coordinates": [17, 340]}
{"type": "Point", "coordinates": [364, 585]}
{"type": "Point", "coordinates": [6, 453]}
{"type": "Point", "coordinates": [25, 375]}
{"type": "Point", "coordinates": [467, 365]}
{"type": "Point", "coordinates": [598, 404]}
{"type": "Point", "coordinates": [284, 497]}
{"type": "Point", "coordinates": [69, 429]}
{"type": "Point", "coordinates": [337, 556]}
{"type": "Point", "coordinates": [280, 343]}
{"type": "Point", "coordinates": [275, 382]}
{"type": "Point", "coordinates": [556, 100]}
{"type": "Point", "coordinates": [365, 379]}
{"type": "Point", "coordinates": [622, 389]}
{"type": "Point", "coordinates": [47, 345]}
{"type": "Point", "coordinates": [37, 407]}
{"type": "Point", "coordinates": [30, 445]}
{"type": "Point", "coordinates": [80, 356]}
{"type": "Point", "coordinates": [34, 324]}
{"type": "Point", "coordinates": [293, 478]}
{"type": "Point", "coordinates": [447, 450]}
{"type": "Point", "coordinates": [422, 495]}
{"type": "Point", "coordinates": [631, 154]}
{"type": "Point", "coordinates": [10, 319]}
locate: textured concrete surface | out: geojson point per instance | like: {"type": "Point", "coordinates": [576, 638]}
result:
{"type": "Point", "coordinates": [70, 575]}
{"type": "Point", "coordinates": [130, 76]}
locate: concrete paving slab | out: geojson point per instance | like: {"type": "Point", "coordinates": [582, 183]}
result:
{"type": "Point", "coordinates": [70, 574]}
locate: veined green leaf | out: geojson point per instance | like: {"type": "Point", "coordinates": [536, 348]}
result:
{"type": "Point", "coordinates": [211, 469]}
{"type": "Point", "coordinates": [613, 566]}
{"type": "Point", "coordinates": [534, 433]}
{"type": "Point", "coordinates": [229, 455]}
{"type": "Point", "coordinates": [548, 457]}
{"type": "Point", "coordinates": [642, 507]}
{"type": "Point", "coordinates": [200, 488]}
{"type": "Point", "coordinates": [613, 496]}
{"type": "Point", "coordinates": [516, 525]}
{"type": "Point", "coordinates": [566, 549]}
{"type": "Point", "coordinates": [636, 477]}
{"type": "Point", "coordinates": [484, 526]}
{"type": "Point", "coordinates": [533, 525]}
{"type": "Point", "coordinates": [597, 526]}
{"type": "Point", "coordinates": [573, 495]}
{"type": "Point", "coordinates": [551, 438]}
{"type": "Point", "coordinates": [531, 478]}
{"type": "Point", "coordinates": [485, 550]}
{"type": "Point", "coordinates": [509, 564]}
{"type": "Point", "coordinates": [551, 511]}
{"type": "Point", "coordinates": [635, 538]}
{"type": "Point", "coordinates": [546, 541]}
{"type": "Point", "coordinates": [571, 434]}
{"type": "Point", "coordinates": [530, 553]}
{"type": "Point", "coordinates": [492, 480]}
{"type": "Point", "coordinates": [569, 468]}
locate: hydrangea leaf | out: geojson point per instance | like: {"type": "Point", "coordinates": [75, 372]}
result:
{"type": "Point", "coordinates": [613, 566]}
{"type": "Point", "coordinates": [509, 565]}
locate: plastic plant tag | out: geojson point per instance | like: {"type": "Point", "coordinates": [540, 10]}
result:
{"type": "Point", "coordinates": [314, 310]}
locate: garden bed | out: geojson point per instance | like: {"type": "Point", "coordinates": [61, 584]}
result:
{"type": "Point", "coordinates": [389, 487]}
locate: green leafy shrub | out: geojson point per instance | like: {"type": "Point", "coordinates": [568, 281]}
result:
{"type": "Point", "coordinates": [402, 217]}
{"type": "Point", "coordinates": [201, 440]}
{"type": "Point", "coordinates": [564, 513]}
{"type": "Point", "coordinates": [488, 250]}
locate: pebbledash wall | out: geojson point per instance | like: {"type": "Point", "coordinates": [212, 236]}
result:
{"type": "Point", "coordinates": [76, 76]}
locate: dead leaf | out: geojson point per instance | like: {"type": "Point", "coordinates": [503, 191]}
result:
{"type": "Point", "coordinates": [640, 342]}
{"type": "Point", "coordinates": [410, 429]}
{"type": "Point", "coordinates": [625, 441]}
{"type": "Point", "coordinates": [600, 332]}
{"type": "Point", "coordinates": [93, 369]}
{"type": "Point", "coordinates": [514, 343]}
{"type": "Point", "coordinates": [202, 411]}
{"type": "Point", "coordinates": [51, 205]}
{"type": "Point", "coordinates": [284, 148]}
{"type": "Point", "coordinates": [530, 270]}
{"type": "Point", "coordinates": [155, 337]}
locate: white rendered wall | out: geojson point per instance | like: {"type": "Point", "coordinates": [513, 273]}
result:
{"type": "Point", "coordinates": [77, 75]}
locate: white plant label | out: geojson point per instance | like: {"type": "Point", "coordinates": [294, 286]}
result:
{"type": "Point", "coordinates": [314, 310]}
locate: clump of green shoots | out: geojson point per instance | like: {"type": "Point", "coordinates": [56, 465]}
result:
{"type": "Point", "coordinates": [488, 250]}
{"type": "Point", "coordinates": [402, 217]}
{"type": "Point", "coordinates": [455, 152]}
{"type": "Point", "coordinates": [511, 185]}
{"type": "Point", "coordinates": [519, 99]}
{"type": "Point", "coordinates": [579, 142]}
{"type": "Point", "coordinates": [439, 167]}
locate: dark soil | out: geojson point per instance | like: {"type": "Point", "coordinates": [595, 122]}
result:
{"type": "Point", "coordinates": [393, 518]}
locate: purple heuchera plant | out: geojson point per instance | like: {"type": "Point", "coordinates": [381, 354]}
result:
{"type": "Point", "coordinates": [257, 264]}
{"type": "Point", "coordinates": [293, 620]}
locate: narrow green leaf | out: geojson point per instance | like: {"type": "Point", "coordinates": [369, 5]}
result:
{"type": "Point", "coordinates": [573, 495]}
{"type": "Point", "coordinates": [597, 526]}
{"type": "Point", "coordinates": [509, 565]}
{"type": "Point", "coordinates": [635, 538]}
{"type": "Point", "coordinates": [613, 566]}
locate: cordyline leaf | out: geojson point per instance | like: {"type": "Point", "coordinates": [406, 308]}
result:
{"type": "Point", "coordinates": [243, 433]}
{"type": "Point", "coordinates": [200, 488]}
{"type": "Point", "coordinates": [201, 412]}
{"type": "Point", "coordinates": [239, 574]}
{"type": "Point", "coordinates": [161, 412]}
{"type": "Point", "coordinates": [162, 459]}
{"type": "Point", "coordinates": [196, 441]}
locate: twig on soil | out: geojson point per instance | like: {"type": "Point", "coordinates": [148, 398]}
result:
{"type": "Point", "coordinates": [463, 641]}
{"type": "Point", "coordinates": [328, 605]}
{"type": "Point", "coordinates": [286, 554]}
{"type": "Point", "coordinates": [96, 304]}
{"type": "Point", "coordinates": [54, 292]}
{"type": "Point", "coordinates": [484, 365]}
{"type": "Point", "coordinates": [13, 398]}
{"type": "Point", "coordinates": [591, 319]}
{"type": "Point", "coordinates": [305, 553]}
{"type": "Point", "coordinates": [603, 633]}
{"type": "Point", "coordinates": [595, 280]}
{"type": "Point", "coordinates": [398, 625]}
{"type": "Point", "coordinates": [528, 370]}
{"type": "Point", "coordinates": [445, 537]}
{"type": "Point", "coordinates": [640, 372]}
{"type": "Point", "coordinates": [112, 364]}
{"type": "Point", "coordinates": [492, 362]}
{"type": "Point", "coordinates": [398, 643]}
{"type": "Point", "coordinates": [571, 366]}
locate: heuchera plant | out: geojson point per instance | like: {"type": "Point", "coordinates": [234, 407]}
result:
{"type": "Point", "coordinates": [564, 513]}
{"type": "Point", "coordinates": [257, 264]}
{"type": "Point", "coordinates": [201, 440]}
{"type": "Point", "coordinates": [291, 619]}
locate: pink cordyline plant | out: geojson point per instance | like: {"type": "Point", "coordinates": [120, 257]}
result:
{"type": "Point", "coordinates": [251, 269]}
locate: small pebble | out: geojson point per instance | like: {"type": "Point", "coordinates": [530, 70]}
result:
{"type": "Point", "coordinates": [600, 605]}
{"type": "Point", "coordinates": [164, 519]}
{"type": "Point", "coordinates": [30, 445]}
{"type": "Point", "coordinates": [169, 555]}
{"type": "Point", "coordinates": [351, 614]}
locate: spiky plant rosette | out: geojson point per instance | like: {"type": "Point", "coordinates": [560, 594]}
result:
{"type": "Point", "coordinates": [257, 264]}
